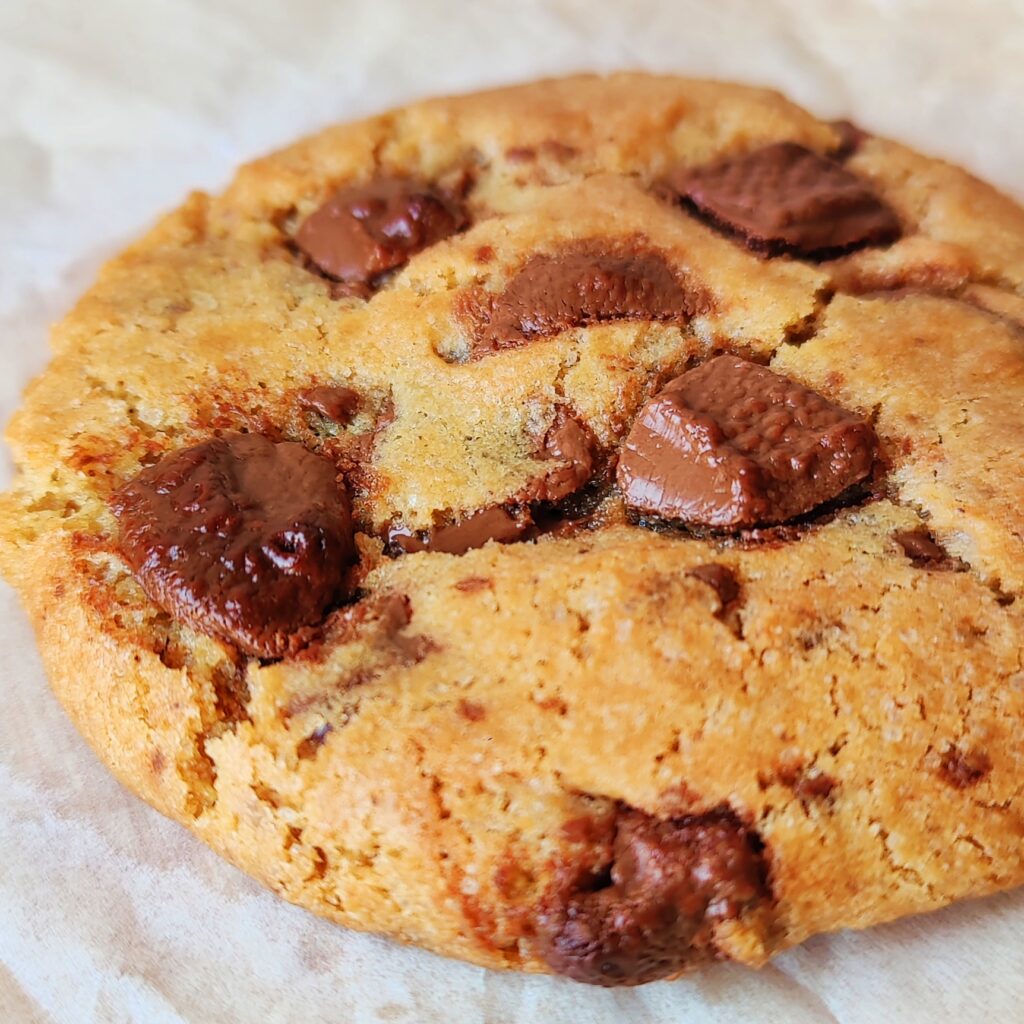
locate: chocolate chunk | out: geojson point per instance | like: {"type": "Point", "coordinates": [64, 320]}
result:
{"type": "Point", "coordinates": [471, 584]}
{"type": "Point", "coordinates": [240, 537]}
{"type": "Point", "coordinates": [230, 692]}
{"type": "Point", "coordinates": [731, 444]}
{"type": "Point", "coordinates": [496, 523]}
{"type": "Point", "coordinates": [851, 138]}
{"type": "Point", "coordinates": [571, 443]}
{"type": "Point", "coordinates": [520, 154]}
{"type": "Point", "coordinates": [964, 768]}
{"type": "Point", "coordinates": [785, 198]}
{"type": "Point", "coordinates": [921, 548]}
{"type": "Point", "coordinates": [379, 621]}
{"type": "Point", "coordinates": [364, 231]}
{"type": "Point", "coordinates": [649, 905]}
{"type": "Point", "coordinates": [586, 510]}
{"type": "Point", "coordinates": [550, 148]}
{"type": "Point", "coordinates": [816, 786]}
{"type": "Point", "coordinates": [333, 402]}
{"type": "Point", "coordinates": [382, 615]}
{"type": "Point", "coordinates": [585, 283]}
{"type": "Point", "coordinates": [472, 711]}
{"type": "Point", "coordinates": [307, 748]}
{"type": "Point", "coordinates": [721, 579]}
{"type": "Point", "coordinates": [807, 783]}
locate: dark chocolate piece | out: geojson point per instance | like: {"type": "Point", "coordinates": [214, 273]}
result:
{"type": "Point", "coordinates": [495, 523]}
{"type": "Point", "coordinates": [851, 138]}
{"type": "Point", "coordinates": [814, 786]}
{"type": "Point", "coordinates": [646, 905]}
{"type": "Point", "coordinates": [332, 401]}
{"type": "Point", "coordinates": [721, 579]}
{"type": "Point", "coordinates": [364, 231]}
{"type": "Point", "coordinates": [964, 768]}
{"type": "Point", "coordinates": [731, 444]}
{"type": "Point", "coordinates": [471, 710]}
{"type": "Point", "coordinates": [925, 553]}
{"type": "Point", "coordinates": [242, 538]}
{"type": "Point", "coordinates": [808, 784]}
{"type": "Point", "coordinates": [307, 748]}
{"type": "Point", "coordinates": [725, 584]}
{"type": "Point", "coordinates": [786, 198]}
{"type": "Point", "coordinates": [571, 443]}
{"type": "Point", "coordinates": [585, 283]}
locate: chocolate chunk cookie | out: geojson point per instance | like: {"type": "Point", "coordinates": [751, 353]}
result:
{"type": "Point", "coordinates": [574, 528]}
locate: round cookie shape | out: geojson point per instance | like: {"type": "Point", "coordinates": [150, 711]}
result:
{"type": "Point", "coordinates": [568, 527]}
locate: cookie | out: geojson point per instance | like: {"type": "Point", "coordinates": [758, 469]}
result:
{"type": "Point", "coordinates": [575, 528]}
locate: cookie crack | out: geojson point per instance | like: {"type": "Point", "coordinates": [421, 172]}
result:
{"type": "Point", "coordinates": [481, 920]}
{"type": "Point", "coordinates": [809, 326]}
{"type": "Point", "coordinates": [1003, 598]}
{"type": "Point", "coordinates": [908, 874]}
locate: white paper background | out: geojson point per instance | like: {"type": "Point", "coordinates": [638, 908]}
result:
{"type": "Point", "coordinates": [110, 110]}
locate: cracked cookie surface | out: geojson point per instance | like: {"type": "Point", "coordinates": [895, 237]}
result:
{"type": "Point", "coordinates": [462, 688]}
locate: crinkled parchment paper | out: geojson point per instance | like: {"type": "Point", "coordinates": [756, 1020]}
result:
{"type": "Point", "coordinates": [110, 111]}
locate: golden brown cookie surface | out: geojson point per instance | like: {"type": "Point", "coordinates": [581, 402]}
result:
{"type": "Point", "coordinates": [509, 712]}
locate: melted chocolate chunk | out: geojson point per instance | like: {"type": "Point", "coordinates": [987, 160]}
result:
{"type": "Point", "coordinates": [585, 283]}
{"type": "Point", "coordinates": [230, 692]}
{"type": "Point", "coordinates": [379, 621]}
{"type": "Point", "coordinates": [364, 231]}
{"type": "Point", "coordinates": [731, 444]}
{"type": "Point", "coordinates": [551, 148]}
{"type": "Point", "coordinates": [571, 443]}
{"type": "Point", "coordinates": [964, 768]}
{"type": "Point", "coordinates": [785, 198]}
{"type": "Point", "coordinates": [851, 138]}
{"type": "Point", "coordinates": [471, 584]}
{"type": "Point", "coordinates": [307, 748]}
{"type": "Point", "coordinates": [591, 508]}
{"type": "Point", "coordinates": [721, 579]}
{"type": "Point", "coordinates": [474, 531]}
{"type": "Point", "coordinates": [648, 907]}
{"type": "Point", "coordinates": [472, 711]}
{"type": "Point", "coordinates": [923, 551]}
{"type": "Point", "coordinates": [816, 786]}
{"type": "Point", "coordinates": [333, 402]}
{"type": "Point", "coordinates": [808, 784]}
{"type": "Point", "coordinates": [242, 538]}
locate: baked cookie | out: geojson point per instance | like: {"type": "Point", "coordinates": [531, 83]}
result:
{"type": "Point", "coordinates": [574, 528]}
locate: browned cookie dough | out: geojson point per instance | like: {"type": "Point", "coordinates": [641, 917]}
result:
{"type": "Point", "coordinates": [575, 528]}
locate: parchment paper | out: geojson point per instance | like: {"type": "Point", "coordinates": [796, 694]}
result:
{"type": "Point", "coordinates": [109, 112]}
